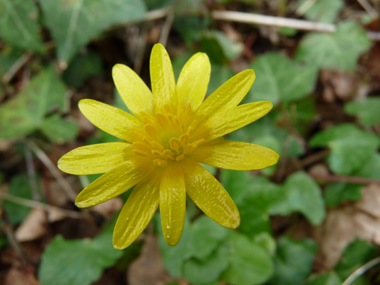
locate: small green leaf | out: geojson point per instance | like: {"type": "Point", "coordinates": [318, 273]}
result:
{"type": "Point", "coordinates": [25, 112]}
{"type": "Point", "coordinates": [355, 255]}
{"type": "Point", "coordinates": [340, 50]}
{"type": "Point", "coordinates": [329, 278]}
{"type": "Point", "coordinates": [8, 56]}
{"type": "Point", "coordinates": [58, 130]}
{"type": "Point", "coordinates": [77, 262]}
{"type": "Point", "coordinates": [199, 240]}
{"type": "Point", "coordinates": [250, 264]}
{"type": "Point", "coordinates": [218, 47]}
{"type": "Point", "coordinates": [190, 28]}
{"type": "Point", "coordinates": [350, 147]}
{"type": "Point", "coordinates": [18, 24]}
{"type": "Point", "coordinates": [337, 192]}
{"type": "Point", "coordinates": [325, 11]}
{"type": "Point", "coordinates": [206, 236]}
{"type": "Point", "coordinates": [280, 79]}
{"type": "Point", "coordinates": [219, 75]}
{"type": "Point", "coordinates": [302, 195]}
{"type": "Point", "coordinates": [208, 270]}
{"type": "Point", "coordinates": [367, 110]}
{"type": "Point", "coordinates": [82, 67]}
{"type": "Point", "coordinates": [293, 262]}
{"type": "Point", "coordinates": [74, 23]}
{"type": "Point", "coordinates": [19, 187]}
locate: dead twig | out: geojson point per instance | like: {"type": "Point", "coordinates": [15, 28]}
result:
{"type": "Point", "coordinates": [16, 67]}
{"type": "Point", "coordinates": [167, 27]}
{"type": "Point", "coordinates": [53, 170]}
{"type": "Point", "coordinates": [250, 18]}
{"type": "Point", "coordinates": [369, 9]}
{"type": "Point", "coordinates": [41, 206]}
{"type": "Point", "coordinates": [31, 174]}
{"type": "Point", "coordinates": [361, 270]}
{"type": "Point", "coordinates": [347, 179]}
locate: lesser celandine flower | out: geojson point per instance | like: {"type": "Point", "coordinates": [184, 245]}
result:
{"type": "Point", "coordinates": [170, 132]}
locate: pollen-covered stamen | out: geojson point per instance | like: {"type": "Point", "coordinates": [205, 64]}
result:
{"type": "Point", "coordinates": [166, 136]}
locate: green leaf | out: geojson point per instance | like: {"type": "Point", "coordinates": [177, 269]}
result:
{"type": "Point", "coordinates": [198, 240]}
{"type": "Point", "coordinates": [58, 130]}
{"type": "Point", "coordinates": [329, 278]}
{"type": "Point", "coordinates": [253, 197]}
{"type": "Point", "coordinates": [301, 114]}
{"type": "Point", "coordinates": [340, 50]}
{"type": "Point", "coordinates": [74, 23]}
{"type": "Point", "coordinates": [25, 112]}
{"type": "Point", "coordinates": [355, 255]}
{"type": "Point", "coordinates": [208, 270]}
{"type": "Point", "coordinates": [249, 263]}
{"type": "Point", "coordinates": [367, 110]}
{"type": "Point", "coordinates": [325, 11]}
{"type": "Point", "coordinates": [83, 67]}
{"type": "Point", "coordinates": [337, 192]}
{"type": "Point", "coordinates": [280, 79]}
{"type": "Point", "coordinates": [19, 187]}
{"type": "Point", "coordinates": [293, 262]}
{"type": "Point", "coordinates": [266, 133]}
{"type": "Point", "coordinates": [190, 28]}
{"type": "Point", "coordinates": [219, 75]}
{"type": "Point", "coordinates": [18, 24]}
{"type": "Point", "coordinates": [218, 47]}
{"type": "Point", "coordinates": [350, 147]}
{"type": "Point", "coordinates": [302, 195]}
{"type": "Point", "coordinates": [8, 56]}
{"type": "Point", "coordinates": [206, 236]}
{"type": "Point", "coordinates": [157, 4]}
{"type": "Point", "coordinates": [77, 262]}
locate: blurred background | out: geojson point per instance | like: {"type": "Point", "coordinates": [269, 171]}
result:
{"type": "Point", "coordinates": [311, 219]}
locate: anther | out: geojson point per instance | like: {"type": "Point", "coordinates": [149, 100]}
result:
{"type": "Point", "coordinates": [175, 144]}
{"type": "Point", "coordinates": [157, 145]}
{"type": "Point", "coordinates": [180, 157]}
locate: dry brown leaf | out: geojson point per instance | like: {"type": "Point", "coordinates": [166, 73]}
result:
{"type": "Point", "coordinates": [16, 276]}
{"type": "Point", "coordinates": [149, 267]}
{"type": "Point", "coordinates": [33, 227]}
{"type": "Point", "coordinates": [342, 225]}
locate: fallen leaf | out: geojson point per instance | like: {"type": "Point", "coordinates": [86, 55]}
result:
{"type": "Point", "coordinates": [16, 276]}
{"type": "Point", "coordinates": [149, 267]}
{"type": "Point", "coordinates": [33, 227]}
{"type": "Point", "coordinates": [342, 225]}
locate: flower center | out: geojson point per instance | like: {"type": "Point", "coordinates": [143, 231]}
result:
{"type": "Point", "coordinates": [166, 137]}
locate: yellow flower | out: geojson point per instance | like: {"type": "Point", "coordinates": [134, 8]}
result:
{"type": "Point", "coordinates": [170, 132]}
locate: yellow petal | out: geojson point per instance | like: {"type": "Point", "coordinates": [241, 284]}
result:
{"type": "Point", "coordinates": [162, 77]}
{"type": "Point", "coordinates": [235, 155]}
{"type": "Point", "coordinates": [137, 212]}
{"type": "Point", "coordinates": [95, 159]}
{"type": "Point", "coordinates": [210, 196]}
{"type": "Point", "coordinates": [193, 80]}
{"type": "Point", "coordinates": [229, 94]}
{"type": "Point", "coordinates": [172, 203]}
{"type": "Point", "coordinates": [134, 92]}
{"type": "Point", "coordinates": [112, 184]}
{"type": "Point", "coordinates": [231, 120]}
{"type": "Point", "coordinates": [109, 119]}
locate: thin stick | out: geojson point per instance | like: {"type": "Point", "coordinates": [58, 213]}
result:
{"type": "Point", "coordinates": [141, 49]}
{"type": "Point", "coordinates": [361, 270]}
{"type": "Point", "coordinates": [348, 179]}
{"type": "Point", "coordinates": [16, 67]}
{"type": "Point", "coordinates": [31, 174]}
{"type": "Point", "coordinates": [370, 10]}
{"type": "Point", "coordinates": [53, 170]}
{"type": "Point", "coordinates": [167, 27]}
{"type": "Point", "coordinates": [41, 206]}
{"type": "Point", "coordinates": [250, 18]}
